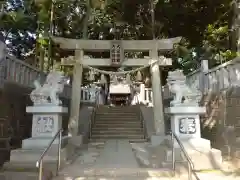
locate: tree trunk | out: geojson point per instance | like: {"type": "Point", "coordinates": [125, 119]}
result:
{"type": "Point", "coordinates": [41, 58]}
{"type": "Point", "coordinates": [86, 18]}
{"type": "Point", "coordinates": [233, 22]}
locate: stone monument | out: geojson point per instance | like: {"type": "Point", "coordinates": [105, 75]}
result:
{"type": "Point", "coordinates": [47, 113]}
{"type": "Point", "coordinates": [185, 122]}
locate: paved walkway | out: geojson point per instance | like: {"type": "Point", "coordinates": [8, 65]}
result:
{"type": "Point", "coordinates": [114, 160]}
{"type": "Point", "coordinates": [116, 154]}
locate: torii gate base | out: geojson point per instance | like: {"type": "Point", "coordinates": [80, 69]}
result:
{"type": "Point", "coordinates": [151, 46]}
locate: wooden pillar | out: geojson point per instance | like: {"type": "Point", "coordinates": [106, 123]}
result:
{"type": "Point", "coordinates": [76, 93]}
{"type": "Point", "coordinates": [158, 112]}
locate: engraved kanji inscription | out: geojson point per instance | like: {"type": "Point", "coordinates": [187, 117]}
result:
{"type": "Point", "coordinates": [116, 53]}
{"type": "Point", "coordinates": [45, 124]}
{"type": "Point", "coordinates": [187, 126]}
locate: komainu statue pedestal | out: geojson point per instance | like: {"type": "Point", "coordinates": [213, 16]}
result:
{"type": "Point", "coordinates": [47, 111]}
{"type": "Point", "coordinates": [46, 122]}
{"type": "Point", "coordinates": [185, 124]}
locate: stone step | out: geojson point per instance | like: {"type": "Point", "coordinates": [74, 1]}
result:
{"type": "Point", "coordinates": [211, 159]}
{"type": "Point", "coordinates": [112, 130]}
{"type": "Point", "coordinates": [91, 140]}
{"type": "Point", "coordinates": [118, 107]}
{"type": "Point", "coordinates": [116, 122]}
{"type": "Point", "coordinates": [117, 112]}
{"type": "Point", "coordinates": [106, 127]}
{"type": "Point", "coordinates": [122, 116]}
{"type": "Point", "coordinates": [113, 173]}
{"type": "Point", "coordinates": [121, 108]}
{"type": "Point", "coordinates": [103, 125]}
{"type": "Point", "coordinates": [117, 136]}
{"type": "Point", "coordinates": [109, 120]}
{"type": "Point", "coordinates": [110, 133]}
{"type": "Point", "coordinates": [143, 174]}
{"type": "Point", "coordinates": [117, 116]}
{"type": "Point", "coordinates": [128, 109]}
{"type": "Point", "coordinates": [118, 129]}
{"type": "Point", "coordinates": [29, 155]}
{"type": "Point", "coordinates": [123, 125]}
{"type": "Point", "coordinates": [27, 170]}
{"type": "Point", "coordinates": [24, 175]}
{"type": "Point", "coordinates": [111, 127]}
{"type": "Point", "coordinates": [15, 166]}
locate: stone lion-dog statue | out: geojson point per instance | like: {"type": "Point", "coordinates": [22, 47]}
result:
{"type": "Point", "coordinates": [48, 93]}
{"type": "Point", "coordinates": [183, 93]}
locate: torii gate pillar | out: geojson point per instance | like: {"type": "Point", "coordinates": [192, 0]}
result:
{"type": "Point", "coordinates": [76, 93]}
{"type": "Point", "coordinates": [158, 112]}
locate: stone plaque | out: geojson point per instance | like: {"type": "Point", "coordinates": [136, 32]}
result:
{"type": "Point", "coordinates": [187, 126]}
{"type": "Point", "coordinates": [116, 53]}
{"type": "Point", "coordinates": [44, 124]}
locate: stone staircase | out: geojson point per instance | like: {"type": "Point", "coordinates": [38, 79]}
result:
{"type": "Point", "coordinates": [22, 164]}
{"type": "Point", "coordinates": [121, 122]}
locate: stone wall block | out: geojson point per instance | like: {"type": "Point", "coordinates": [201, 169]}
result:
{"type": "Point", "coordinates": [221, 124]}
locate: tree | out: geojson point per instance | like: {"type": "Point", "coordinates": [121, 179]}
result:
{"type": "Point", "coordinates": [204, 26]}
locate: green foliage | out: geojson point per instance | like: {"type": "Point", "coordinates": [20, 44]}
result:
{"type": "Point", "coordinates": [203, 24]}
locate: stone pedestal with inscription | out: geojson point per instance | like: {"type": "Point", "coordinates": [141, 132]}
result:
{"type": "Point", "coordinates": [46, 122]}
{"type": "Point", "coordinates": [185, 123]}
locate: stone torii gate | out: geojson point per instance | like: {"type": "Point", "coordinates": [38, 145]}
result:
{"type": "Point", "coordinates": [117, 48]}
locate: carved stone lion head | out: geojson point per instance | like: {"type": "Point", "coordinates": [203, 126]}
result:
{"type": "Point", "coordinates": [56, 77]}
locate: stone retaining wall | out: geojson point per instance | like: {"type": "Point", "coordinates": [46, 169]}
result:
{"type": "Point", "coordinates": [221, 124]}
{"type": "Point", "coordinates": [15, 124]}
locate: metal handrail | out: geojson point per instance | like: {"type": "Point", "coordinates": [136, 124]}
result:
{"type": "Point", "coordinates": [143, 122]}
{"type": "Point", "coordinates": [91, 122]}
{"type": "Point", "coordinates": [39, 163]}
{"type": "Point", "coordinates": [190, 163]}
{"type": "Point", "coordinates": [93, 115]}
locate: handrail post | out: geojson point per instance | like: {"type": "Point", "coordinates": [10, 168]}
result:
{"type": "Point", "coordinates": [91, 122]}
{"type": "Point", "coordinates": [173, 153]}
{"type": "Point", "coordinates": [40, 170]}
{"type": "Point", "coordinates": [189, 161]}
{"type": "Point", "coordinates": [93, 114]}
{"type": "Point", "coordinates": [59, 152]}
{"type": "Point", "coordinates": [40, 161]}
{"type": "Point", "coordinates": [189, 171]}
